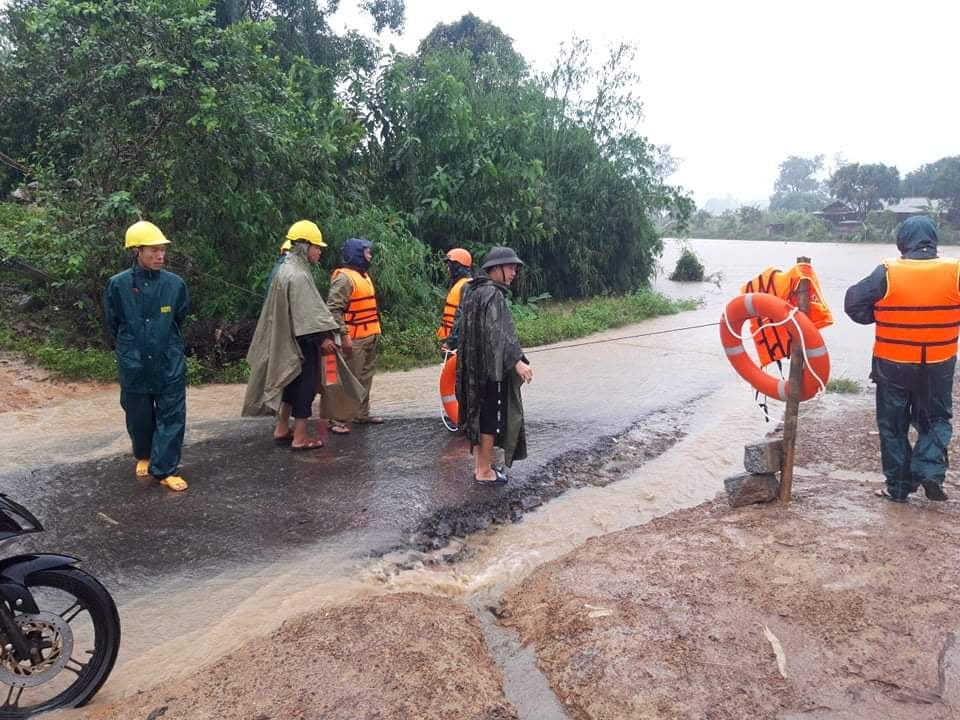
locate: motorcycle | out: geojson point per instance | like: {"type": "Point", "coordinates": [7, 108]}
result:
{"type": "Point", "coordinates": [59, 627]}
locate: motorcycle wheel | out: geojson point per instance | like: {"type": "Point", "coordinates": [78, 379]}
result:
{"type": "Point", "coordinates": [75, 639]}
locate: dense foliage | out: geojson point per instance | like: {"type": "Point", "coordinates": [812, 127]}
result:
{"type": "Point", "coordinates": [224, 121]}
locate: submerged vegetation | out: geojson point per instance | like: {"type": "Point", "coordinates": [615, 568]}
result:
{"type": "Point", "coordinates": [224, 121]}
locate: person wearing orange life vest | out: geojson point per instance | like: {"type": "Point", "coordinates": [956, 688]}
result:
{"type": "Point", "coordinates": [353, 301]}
{"type": "Point", "coordinates": [459, 263]}
{"type": "Point", "coordinates": [914, 301]}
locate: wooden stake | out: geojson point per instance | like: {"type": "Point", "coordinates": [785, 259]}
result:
{"type": "Point", "coordinates": [793, 397]}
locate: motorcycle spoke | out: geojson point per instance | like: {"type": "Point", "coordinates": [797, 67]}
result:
{"type": "Point", "coordinates": [71, 612]}
{"type": "Point", "coordinates": [7, 704]}
{"type": "Point", "coordinates": [78, 670]}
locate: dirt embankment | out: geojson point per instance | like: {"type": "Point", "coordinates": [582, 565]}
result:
{"type": "Point", "coordinates": [25, 387]}
{"type": "Point", "coordinates": [393, 657]}
{"type": "Point", "coordinates": [839, 605]}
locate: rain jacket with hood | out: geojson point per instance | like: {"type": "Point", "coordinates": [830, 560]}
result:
{"type": "Point", "coordinates": [918, 393]}
{"type": "Point", "coordinates": [293, 308]}
{"type": "Point", "coordinates": [144, 311]}
{"type": "Point", "coordinates": [488, 351]}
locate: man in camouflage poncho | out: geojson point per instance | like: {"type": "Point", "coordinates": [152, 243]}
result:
{"type": "Point", "coordinates": [491, 368]}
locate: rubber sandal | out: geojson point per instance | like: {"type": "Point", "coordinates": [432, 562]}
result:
{"type": "Point", "coordinates": [885, 494]}
{"type": "Point", "coordinates": [283, 440]}
{"type": "Point", "coordinates": [174, 482]}
{"type": "Point", "coordinates": [338, 428]}
{"type": "Point", "coordinates": [498, 479]}
{"type": "Point", "coordinates": [143, 468]}
{"type": "Point", "coordinates": [311, 445]}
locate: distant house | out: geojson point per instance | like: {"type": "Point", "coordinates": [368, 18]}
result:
{"type": "Point", "coordinates": [908, 207]}
{"type": "Point", "coordinates": [838, 212]}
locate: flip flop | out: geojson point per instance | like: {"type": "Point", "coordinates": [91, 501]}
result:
{"type": "Point", "coordinates": [373, 420]}
{"type": "Point", "coordinates": [499, 478]}
{"type": "Point", "coordinates": [174, 482]}
{"type": "Point", "coordinates": [311, 445]}
{"type": "Point", "coordinates": [283, 439]}
{"type": "Point", "coordinates": [338, 428]}
{"type": "Point", "coordinates": [143, 468]}
{"type": "Point", "coordinates": [885, 494]}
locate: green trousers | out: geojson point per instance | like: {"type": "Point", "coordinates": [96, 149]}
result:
{"type": "Point", "coordinates": [361, 362]}
{"type": "Point", "coordinates": [156, 424]}
{"type": "Point", "coordinates": [921, 396]}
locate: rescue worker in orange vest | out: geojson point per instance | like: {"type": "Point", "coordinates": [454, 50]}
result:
{"type": "Point", "coordinates": [353, 301]}
{"type": "Point", "coordinates": [914, 300]}
{"type": "Point", "coordinates": [459, 263]}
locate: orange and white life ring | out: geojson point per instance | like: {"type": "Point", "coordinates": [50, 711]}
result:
{"type": "Point", "coordinates": [448, 391]}
{"type": "Point", "coordinates": [816, 368]}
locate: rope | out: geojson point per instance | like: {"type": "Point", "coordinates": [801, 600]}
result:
{"type": "Point", "coordinates": [624, 337]}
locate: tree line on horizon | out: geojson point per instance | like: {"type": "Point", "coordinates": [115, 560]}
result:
{"type": "Point", "coordinates": [863, 187]}
{"type": "Point", "coordinates": [223, 121]}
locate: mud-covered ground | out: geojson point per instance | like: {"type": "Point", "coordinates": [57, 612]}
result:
{"type": "Point", "coordinates": [839, 605]}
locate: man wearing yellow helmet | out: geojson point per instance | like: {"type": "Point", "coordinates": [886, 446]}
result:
{"type": "Point", "coordinates": [294, 329]}
{"type": "Point", "coordinates": [144, 307]}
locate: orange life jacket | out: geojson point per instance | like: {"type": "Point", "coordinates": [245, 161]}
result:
{"type": "Point", "coordinates": [450, 308]}
{"type": "Point", "coordinates": [773, 343]}
{"type": "Point", "coordinates": [361, 317]}
{"type": "Point", "coordinates": [918, 318]}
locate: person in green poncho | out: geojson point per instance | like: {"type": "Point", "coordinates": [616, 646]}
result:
{"type": "Point", "coordinates": [144, 308]}
{"type": "Point", "coordinates": [294, 330]}
{"type": "Point", "coordinates": [491, 367]}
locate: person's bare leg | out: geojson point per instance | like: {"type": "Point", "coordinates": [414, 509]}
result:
{"type": "Point", "coordinates": [282, 429]}
{"type": "Point", "coordinates": [482, 457]}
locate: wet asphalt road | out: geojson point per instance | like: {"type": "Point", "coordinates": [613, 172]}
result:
{"type": "Point", "coordinates": [250, 502]}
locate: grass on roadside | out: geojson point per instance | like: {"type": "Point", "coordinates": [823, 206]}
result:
{"type": "Point", "coordinates": [401, 349]}
{"type": "Point", "coordinates": [844, 386]}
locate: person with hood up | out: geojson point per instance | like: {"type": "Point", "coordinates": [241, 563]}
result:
{"type": "Point", "coordinates": [459, 265]}
{"type": "Point", "coordinates": [914, 302]}
{"type": "Point", "coordinates": [294, 329]}
{"type": "Point", "coordinates": [491, 368]}
{"type": "Point", "coordinates": [144, 308]}
{"type": "Point", "coordinates": [353, 301]}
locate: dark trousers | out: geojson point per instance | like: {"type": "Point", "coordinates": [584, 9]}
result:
{"type": "Point", "coordinates": [156, 424]}
{"type": "Point", "coordinates": [922, 396]}
{"type": "Point", "coordinates": [303, 388]}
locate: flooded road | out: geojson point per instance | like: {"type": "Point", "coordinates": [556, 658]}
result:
{"type": "Point", "coordinates": [263, 534]}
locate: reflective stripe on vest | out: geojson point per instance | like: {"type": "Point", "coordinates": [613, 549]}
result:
{"type": "Point", "coordinates": [361, 317]}
{"type": "Point", "coordinates": [919, 317]}
{"type": "Point", "coordinates": [450, 308]}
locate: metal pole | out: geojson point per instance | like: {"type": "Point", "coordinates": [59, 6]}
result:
{"type": "Point", "coordinates": [793, 396]}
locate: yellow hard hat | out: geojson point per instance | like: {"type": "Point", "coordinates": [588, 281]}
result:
{"type": "Point", "coordinates": [306, 230]}
{"type": "Point", "coordinates": [143, 233]}
{"type": "Point", "coordinates": [285, 246]}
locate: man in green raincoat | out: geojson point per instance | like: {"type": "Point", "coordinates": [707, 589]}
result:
{"type": "Point", "coordinates": [491, 367]}
{"type": "Point", "coordinates": [144, 307]}
{"type": "Point", "coordinates": [294, 331]}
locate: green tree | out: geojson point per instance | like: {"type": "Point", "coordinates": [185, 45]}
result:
{"type": "Point", "coordinates": [797, 186]}
{"type": "Point", "coordinates": [864, 187]}
{"type": "Point", "coordinates": [940, 179]}
{"type": "Point", "coordinates": [798, 175]}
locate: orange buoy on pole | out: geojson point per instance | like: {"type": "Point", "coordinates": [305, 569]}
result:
{"type": "Point", "coordinates": [803, 334]}
{"type": "Point", "coordinates": [448, 392]}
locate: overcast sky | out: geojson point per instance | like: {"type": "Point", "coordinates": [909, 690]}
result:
{"type": "Point", "coordinates": [735, 87]}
